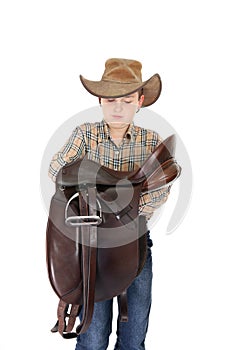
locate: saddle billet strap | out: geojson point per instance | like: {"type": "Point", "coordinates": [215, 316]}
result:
{"type": "Point", "coordinates": [89, 245]}
{"type": "Point", "coordinates": [123, 306]}
{"type": "Point", "coordinates": [62, 313]}
{"type": "Point", "coordinates": [55, 328]}
{"type": "Point", "coordinates": [74, 312]}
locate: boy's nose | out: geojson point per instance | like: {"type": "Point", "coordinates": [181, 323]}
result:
{"type": "Point", "coordinates": [118, 106]}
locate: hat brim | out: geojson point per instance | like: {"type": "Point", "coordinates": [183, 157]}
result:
{"type": "Point", "coordinates": [109, 89]}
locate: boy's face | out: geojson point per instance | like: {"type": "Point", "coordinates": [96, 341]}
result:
{"type": "Point", "coordinates": [119, 112]}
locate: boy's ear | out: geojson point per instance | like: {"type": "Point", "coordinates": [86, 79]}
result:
{"type": "Point", "coordinates": [141, 100]}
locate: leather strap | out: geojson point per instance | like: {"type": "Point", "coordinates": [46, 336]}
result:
{"type": "Point", "coordinates": [74, 312]}
{"type": "Point", "coordinates": [123, 306]}
{"type": "Point", "coordinates": [89, 244]}
{"type": "Point", "coordinates": [62, 314]}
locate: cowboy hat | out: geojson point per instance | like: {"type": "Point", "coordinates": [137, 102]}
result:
{"type": "Point", "coordinates": [123, 77]}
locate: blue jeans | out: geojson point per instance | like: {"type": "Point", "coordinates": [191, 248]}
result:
{"type": "Point", "coordinates": [130, 335]}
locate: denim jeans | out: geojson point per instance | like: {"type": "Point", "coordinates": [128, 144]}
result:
{"type": "Point", "coordinates": [130, 335]}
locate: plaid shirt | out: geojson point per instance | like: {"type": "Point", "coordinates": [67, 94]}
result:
{"type": "Point", "coordinates": [94, 141]}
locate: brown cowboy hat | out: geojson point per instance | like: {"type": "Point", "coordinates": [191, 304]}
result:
{"type": "Point", "coordinates": [123, 77]}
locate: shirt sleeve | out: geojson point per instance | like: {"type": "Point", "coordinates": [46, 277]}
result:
{"type": "Point", "coordinates": [73, 149]}
{"type": "Point", "coordinates": [152, 200]}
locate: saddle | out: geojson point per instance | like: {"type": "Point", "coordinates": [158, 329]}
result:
{"type": "Point", "coordinates": [96, 240]}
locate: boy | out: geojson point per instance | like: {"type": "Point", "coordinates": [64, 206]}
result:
{"type": "Point", "coordinates": [117, 143]}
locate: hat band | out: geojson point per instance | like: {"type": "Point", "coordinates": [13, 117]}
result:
{"type": "Point", "coordinates": [121, 82]}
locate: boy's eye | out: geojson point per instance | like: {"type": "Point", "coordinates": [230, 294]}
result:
{"type": "Point", "coordinates": [128, 99]}
{"type": "Point", "coordinates": [124, 100]}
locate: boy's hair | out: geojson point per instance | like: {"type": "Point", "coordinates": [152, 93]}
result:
{"type": "Point", "coordinates": [140, 93]}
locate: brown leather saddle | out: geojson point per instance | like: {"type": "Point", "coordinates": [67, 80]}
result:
{"type": "Point", "coordinates": [96, 239]}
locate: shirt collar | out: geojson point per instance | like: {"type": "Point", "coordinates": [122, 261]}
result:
{"type": "Point", "coordinates": [105, 132]}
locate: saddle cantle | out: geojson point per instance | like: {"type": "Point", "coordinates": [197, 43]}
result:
{"type": "Point", "coordinates": [96, 241]}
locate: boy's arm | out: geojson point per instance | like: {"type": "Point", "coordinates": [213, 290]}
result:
{"type": "Point", "coordinates": [74, 148]}
{"type": "Point", "coordinates": [152, 200]}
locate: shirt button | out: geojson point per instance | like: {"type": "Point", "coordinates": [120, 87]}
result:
{"type": "Point", "coordinates": [115, 168]}
{"type": "Point", "coordinates": [117, 152]}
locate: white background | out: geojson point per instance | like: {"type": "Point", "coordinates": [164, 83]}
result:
{"type": "Point", "coordinates": [45, 45]}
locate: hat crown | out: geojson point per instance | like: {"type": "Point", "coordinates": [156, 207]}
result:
{"type": "Point", "coordinates": [122, 71]}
